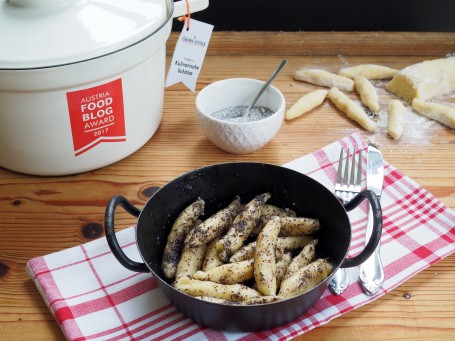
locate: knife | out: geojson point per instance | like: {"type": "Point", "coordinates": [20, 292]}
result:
{"type": "Point", "coordinates": [371, 274]}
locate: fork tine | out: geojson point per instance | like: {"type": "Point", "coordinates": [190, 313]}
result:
{"type": "Point", "coordinates": [351, 180]}
{"type": "Point", "coordinates": [340, 167]}
{"type": "Point", "coordinates": [359, 169]}
{"type": "Point", "coordinates": [346, 168]}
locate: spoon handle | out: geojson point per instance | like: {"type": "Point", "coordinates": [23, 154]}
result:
{"type": "Point", "coordinates": [271, 78]}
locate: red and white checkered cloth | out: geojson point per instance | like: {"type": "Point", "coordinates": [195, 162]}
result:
{"type": "Point", "coordinates": [93, 297]}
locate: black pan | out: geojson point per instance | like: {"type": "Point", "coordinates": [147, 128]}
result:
{"type": "Point", "coordinates": [218, 185]}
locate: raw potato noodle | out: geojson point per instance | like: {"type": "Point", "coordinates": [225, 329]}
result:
{"type": "Point", "coordinates": [424, 80]}
{"type": "Point", "coordinates": [229, 273]}
{"type": "Point", "coordinates": [369, 71]}
{"type": "Point", "coordinates": [191, 259]}
{"type": "Point", "coordinates": [438, 112]}
{"type": "Point", "coordinates": [305, 278]}
{"type": "Point", "coordinates": [351, 109]}
{"type": "Point", "coordinates": [229, 292]}
{"type": "Point", "coordinates": [367, 93]}
{"type": "Point", "coordinates": [264, 257]}
{"type": "Point", "coordinates": [217, 224]}
{"type": "Point", "coordinates": [242, 226]}
{"type": "Point", "coordinates": [306, 103]}
{"type": "Point", "coordinates": [396, 118]}
{"type": "Point", "coordinates": [324, 78]}
{"type": "Point", "coordinates": [182, 225]}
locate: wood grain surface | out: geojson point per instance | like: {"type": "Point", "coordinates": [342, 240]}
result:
{"type": "Point", "coordinates": [41, 215]}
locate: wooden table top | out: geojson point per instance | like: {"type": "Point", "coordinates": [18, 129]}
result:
{"type": "Point", "coordinates": [41, 215]}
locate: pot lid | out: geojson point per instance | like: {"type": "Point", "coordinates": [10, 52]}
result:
{"type": "Point", "coordinates": [45, 33]}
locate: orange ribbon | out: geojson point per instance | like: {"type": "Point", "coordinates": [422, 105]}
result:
{"type": "Point", "coordinates": [187, 16]}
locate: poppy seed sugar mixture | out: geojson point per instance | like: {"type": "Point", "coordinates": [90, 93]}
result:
{"type": "Point", "coordinates": [238, 113]}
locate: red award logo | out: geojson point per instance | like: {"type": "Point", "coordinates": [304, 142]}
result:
{"type": "Point", "coordinates": [96, 115]}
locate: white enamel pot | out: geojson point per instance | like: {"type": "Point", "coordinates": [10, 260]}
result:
{"type": "Point", "coordinates": [81, 81]}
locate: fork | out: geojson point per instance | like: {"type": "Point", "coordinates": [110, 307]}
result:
{"type": "Point", "coordinates": [346, 187]}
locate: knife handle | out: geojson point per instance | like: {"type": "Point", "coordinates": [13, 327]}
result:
{"type": "Point", "coordinates": [371, 275]}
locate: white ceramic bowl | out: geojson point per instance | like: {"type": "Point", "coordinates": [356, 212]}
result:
{"type": "Point", "coordinates": [239, 137]}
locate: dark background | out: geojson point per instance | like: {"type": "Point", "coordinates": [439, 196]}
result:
{"type": "Point", "coordinates": [329, 15]}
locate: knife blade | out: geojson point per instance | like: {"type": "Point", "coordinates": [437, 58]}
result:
{"type": "Point", "coordinates": [371, 275]}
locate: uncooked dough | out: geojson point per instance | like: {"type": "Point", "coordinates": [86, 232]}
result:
{"type": "Point", "coordinates": [367, 93]}
{"type": "Point", "coordinates": [324, 78]}
{"type": "Point", "coordinates": [351, 109]}
{"type": "Point", "coordinates": [435, 111]}
{"type": "Point", "coordinates": [396, 118]}
{"type": "Point", "coordinates": [369, 71]}
{"type": "Point", "coordinates": [306, 103]}
{"type": "Point", "coordinates": [424, 80]}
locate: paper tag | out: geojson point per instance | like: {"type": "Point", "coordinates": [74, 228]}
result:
{"type": "Point", "coordinates": [189, 54]}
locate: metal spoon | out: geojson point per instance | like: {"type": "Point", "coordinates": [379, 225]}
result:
{"type": "Point", "coordinates": [266, 84]}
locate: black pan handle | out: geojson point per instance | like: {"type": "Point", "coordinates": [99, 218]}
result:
{"type": "Point", "coordinates": [110, 232]}
{"type": "Point", "coordinates": [377, 227]}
